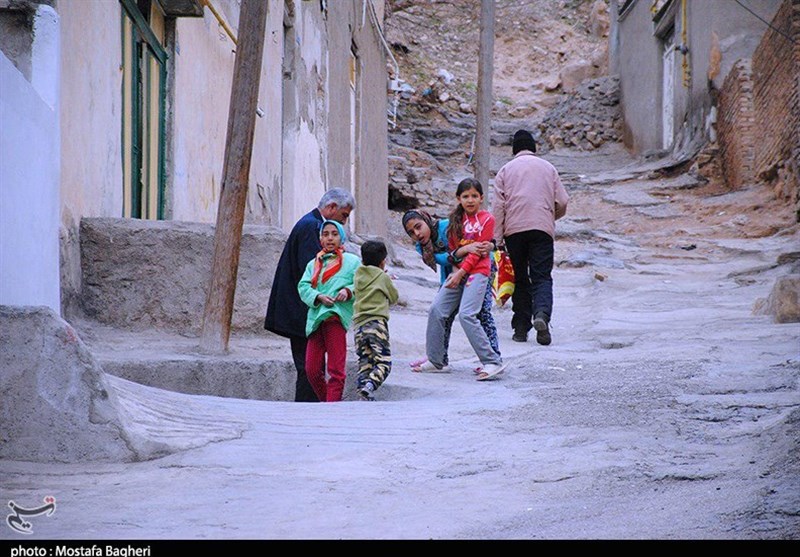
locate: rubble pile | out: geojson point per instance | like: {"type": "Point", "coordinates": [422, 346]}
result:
{"type": "Point", "coordinates": [413, 178]}
{"type": "Point", "coordinates": [585, 119]}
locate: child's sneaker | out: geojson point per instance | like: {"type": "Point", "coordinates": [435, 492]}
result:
{"type": "Point", "coordinates": [365, 392]}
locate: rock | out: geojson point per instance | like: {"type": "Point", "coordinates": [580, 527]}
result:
{"type": "Point", "coordinates": [445, 76]}
{"type": "Point", "coordinates": [599, 20]}
{"type": "Point", "coordinates": [572, 75]}
{"type": "Point", "coordinates": [783, 302]}
{"type": "Point", "coordinates": [520, 111]}
{"type": "Point", "coordinates": [466, 108]}
{"type": "Point", "coordinates": [594, 257]}
{"type": "Point", "coordinates": [552, 84]}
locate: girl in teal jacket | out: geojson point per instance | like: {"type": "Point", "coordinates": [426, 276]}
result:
{"type": "Point", "coordinates": [327, 289]}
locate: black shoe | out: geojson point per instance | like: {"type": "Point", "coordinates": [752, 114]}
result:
{"type": "Point", "coordinates": [542, 330]}
{"type": "Point", "coordinates": [519, 336]}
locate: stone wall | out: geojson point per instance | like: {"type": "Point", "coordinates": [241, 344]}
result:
{"type": "Point", "coordinates": [736, 126]}
{"type": "Point", "coordinates": [141, 274]}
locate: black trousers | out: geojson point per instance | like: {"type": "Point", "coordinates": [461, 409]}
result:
{"type": "Point", "coordinates": [531, 255]}
{"type": "Point", "coordinates": [303, 391]}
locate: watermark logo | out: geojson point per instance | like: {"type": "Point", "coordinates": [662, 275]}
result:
{"type": "Point", "coordinates": [19, 524]}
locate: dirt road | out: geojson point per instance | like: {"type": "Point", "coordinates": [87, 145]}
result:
{"type": "Point", "coordinates": [664, 409]}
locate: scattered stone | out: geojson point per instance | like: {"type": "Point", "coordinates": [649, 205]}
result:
{"type": "Point", "coordinates": [594, 257]}
{"type": "Point", "coordinates": [615, 345]}
{"type": "Point", "coordinates": [445, 76]}
{"type": "Point", "coordinates": [783, 302]}
{"type": "Point", "coordinates": [600, 276]}
{"type": "Point", "coordinates": [599, 20]}
{"type": "Point", "coordinates": [572, 75]}
{"type": "Point", "coordinates": [587, 118]}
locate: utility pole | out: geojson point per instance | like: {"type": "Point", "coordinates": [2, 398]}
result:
{"type": "Point", "coordinates": [235, 174]}
{"type": "Point", "coordinates": [483, 133]}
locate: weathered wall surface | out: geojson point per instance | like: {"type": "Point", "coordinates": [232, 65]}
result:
{"type": "Point", "coordinates": [203, 68]}
{"type": "Point", "coordinates": [91, 126]}
{"type": "Point", "coordinates": [776, 96]}
{"type": "Point", "coordinates": [91, 110]}
{"type": "Point", "coordinates": [29, 193]}
{"type": "Point", "coordinates": [372, 191]}
{"type": "Point", "coordinates": [264, 196]}
{"type": "Point", "coordinates": [718, 33]}
{"type": "Point", "coordinates": [640, 76]}
{"type": "Point", "coordinates": [759, 111]}
{"type": "Point", "coordinates": [140, 274]}
{"type": "Point", "coordinates": [305, 119]}
{"type": "Point", "coordinates": [354, 29]}
{"type": "Point", "coordinates": [736, 126]}
{"type": "Point", "coordinates": [204, 58]}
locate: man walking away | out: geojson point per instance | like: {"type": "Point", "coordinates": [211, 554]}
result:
{"type": "Point", "coordinates": [528, 199]}
{"type": "Point", "coordinates": [286, 313]}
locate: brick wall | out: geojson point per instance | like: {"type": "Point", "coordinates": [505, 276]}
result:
{"type": "Point", "coordinates": [736, 126]}
{"type": "Point", "coordinates": [776, 98]}
{"type": "Point", "coordinates": [796, 155]}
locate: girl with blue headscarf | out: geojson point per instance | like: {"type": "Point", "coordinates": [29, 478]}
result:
{"type": "Point", "coordinates": [327, 289]}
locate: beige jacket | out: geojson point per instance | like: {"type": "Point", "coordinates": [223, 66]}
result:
{"type": "Point", "coordinates": [528, 195]}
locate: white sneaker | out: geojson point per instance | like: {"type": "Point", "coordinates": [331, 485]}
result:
{"type": "Point", "coordinates": [490, 371]}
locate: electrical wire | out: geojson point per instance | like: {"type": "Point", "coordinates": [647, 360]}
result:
{"type": "Point", "coordinates": [768, 24]}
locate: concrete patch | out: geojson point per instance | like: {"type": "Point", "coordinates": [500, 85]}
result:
{"type": "Point", "coordinates": [66, 409]}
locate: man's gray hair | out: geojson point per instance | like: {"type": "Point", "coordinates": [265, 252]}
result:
{"type": "Point", "coordinates": [340, 196]}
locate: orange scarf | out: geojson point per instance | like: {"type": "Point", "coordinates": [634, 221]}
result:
{"type": "Point", "coordinates": [330, 270]}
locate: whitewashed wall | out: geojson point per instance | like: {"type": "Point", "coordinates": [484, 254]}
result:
{"type": "Point", "coordinates": [29, 173]}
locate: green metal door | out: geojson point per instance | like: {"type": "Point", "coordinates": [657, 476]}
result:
{"type": "Point", "coordinates": [143, 94]}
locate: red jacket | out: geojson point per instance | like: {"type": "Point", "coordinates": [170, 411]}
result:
{"type": "Point", "coordinates": [479, 228]}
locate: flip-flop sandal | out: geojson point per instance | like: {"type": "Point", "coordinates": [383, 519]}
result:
{"type": "Point", "coordinates": [486, 376]}
{"type": "Point", "coordinates": [418, 363]}
{"type": "Point", "coordinates": [427, 367]}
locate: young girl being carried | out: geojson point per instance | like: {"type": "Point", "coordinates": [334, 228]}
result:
{"type": "Point", "coordinates": [327, 289]}
{"type": "Point", "coordinates": [430, 239]}
{"type": "Point", "coordinates": [464, 290]}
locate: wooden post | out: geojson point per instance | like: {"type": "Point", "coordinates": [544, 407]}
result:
{"type": "Point", "coordinates": [483, 130]}
{"type": "Point", "coordinates": [235, 174]}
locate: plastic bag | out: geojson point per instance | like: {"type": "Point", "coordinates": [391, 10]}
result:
{"type": "Point", "coordinates": [503, 284]}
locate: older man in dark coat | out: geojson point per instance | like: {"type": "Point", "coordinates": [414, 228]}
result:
{"type": "Point", "coordinates": [286, 313]}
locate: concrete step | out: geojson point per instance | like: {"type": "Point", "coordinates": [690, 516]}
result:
{"type": "Point", "coordinates": [257, 366]}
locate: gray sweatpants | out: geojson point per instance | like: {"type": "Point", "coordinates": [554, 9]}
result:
{"type": "Point", "coordinates": [467, 299]}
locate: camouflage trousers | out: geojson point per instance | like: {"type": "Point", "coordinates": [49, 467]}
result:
{"type": "Point", "coordinates": [374, 354]}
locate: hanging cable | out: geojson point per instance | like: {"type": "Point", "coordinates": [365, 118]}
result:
{"type": "Point", "coordinates": [376, 24]}
{"type": "Point", "coordinates": [767, 23]}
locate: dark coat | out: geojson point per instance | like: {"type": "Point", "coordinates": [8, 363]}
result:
{"type": "Point", "coordinates": [286, 313]}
